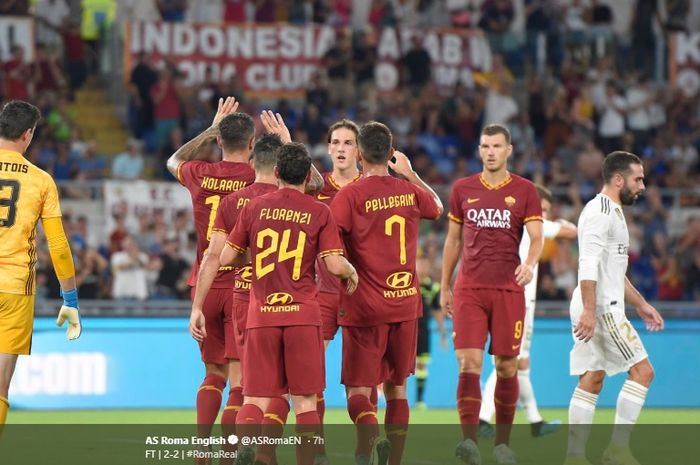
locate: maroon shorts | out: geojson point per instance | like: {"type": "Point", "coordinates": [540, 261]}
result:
{"type": "Point", "coordinates": [284, 359]}
{"type": "Point", "coordinates": [329, 303]}
{"type": "Point", "coordinates": [478, 312]}
{"type": "Point", "coordinates": [219, 345]}
{"type": "Point", "coordinates": [374, 354]}
{"type": "Point", "coordinates": [240, 315]}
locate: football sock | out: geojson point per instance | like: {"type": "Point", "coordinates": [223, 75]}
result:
{"type": "Point", "coordinates": [307, 428]}
{"type": "Point", "coordinates": [629, 405]}
{"type": "Point", "coordinates": [273, 422]}
{"type": "Point", "coordinates": [374, 397]}
{"type": "Point", "coordinates": [248, 421]}
{"type": "Point", "coordinates": [396, 427]}
{"type": "Point", "coordinates": [527, 397]}
{"type": "Point", "coordinates": [581, 411]}
{"type": "Point", "coordinates": [228, 420]}
{"type": "Point", "coordinates": [488, 407]}
{"type": "Point", "coordinates": [364, 415]}
{"type": "Point", "coordinates": [421, 376]}
{"type": "Point", "coordinates": [468, 404]}
{"type": "Point", "coordinates": [505, 400]}
{"type": "Point", "coordinates": [209, 403]}
{"type": "Point", "coordinates": [320, 405]}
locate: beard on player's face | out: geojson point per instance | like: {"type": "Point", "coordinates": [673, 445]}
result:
{"type": "Point", "coordinates": [627, 196]}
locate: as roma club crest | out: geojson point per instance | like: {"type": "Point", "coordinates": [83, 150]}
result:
{"type": "Point", "coordinates": [510, 201]}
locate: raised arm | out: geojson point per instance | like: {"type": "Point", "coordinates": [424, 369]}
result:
{"type": "Point", "coordinates": [402, 165]}
{"type": "Point", "coordinates": [192, 149]}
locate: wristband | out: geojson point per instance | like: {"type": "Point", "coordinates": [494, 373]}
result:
{"type": "Point", "coordinates": [70, 298]}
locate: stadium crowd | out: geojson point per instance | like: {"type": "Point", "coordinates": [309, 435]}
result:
{"type": "Point", "coordinates": [565, 103]}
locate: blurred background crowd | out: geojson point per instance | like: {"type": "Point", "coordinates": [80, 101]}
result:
{"type": "Point", "coordinates": [573, 80]}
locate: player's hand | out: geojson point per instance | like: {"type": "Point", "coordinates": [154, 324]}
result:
{"type": "Point", "coordinates": [274, 123]}
{"type": "Point", "coordinates": [446, 301]}
{"type": "Point", "coordinates": [400, 164]}
{"type": "Point", "coordinates": [226, 107]}
{"type": "Point", "coordinates": [523, 274]}
{"type": "Point", "coordinates": [652, 318]}
{"type": "Point", "coordinates": [586, 326]}
{"type": "Point", "coordinates": [73, 316]}
{"type": "Point", "coordinates": [197, 328]}
{"type": "Point", "coordinates": [351, 285]}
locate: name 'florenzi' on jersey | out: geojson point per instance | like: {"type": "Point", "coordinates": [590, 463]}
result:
{"type": "Point", "coordinates": [285, 214]}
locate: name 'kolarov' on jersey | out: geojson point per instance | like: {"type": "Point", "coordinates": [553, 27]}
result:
{"type": "Point", "coordinates": [226, 217]}
{"type": "Point", "coordinates": [285, 231]}
{"type": "Point", "coordinates": [378, 218]}
{"type": "Point", "coordinates": [208, 183]}
{"type": "Point", "coordinates": [492, 219]}
{"type": "Point", "coordinates": [603, 242]}
{"type": "Point", "coordinates": [326, 281]}
{"type": "Point", "coordinates": [550, 230]}
{"type": "Point", "coordinates": [27, 193]}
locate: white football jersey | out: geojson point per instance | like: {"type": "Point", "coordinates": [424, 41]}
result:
{"type": "Point", "coordinates": [603, 242]}
{"type": "Point", "coordinates": [550, 229]}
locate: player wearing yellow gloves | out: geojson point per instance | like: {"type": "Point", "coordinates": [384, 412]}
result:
{"type": "Point", "coordinates": [27, 194]}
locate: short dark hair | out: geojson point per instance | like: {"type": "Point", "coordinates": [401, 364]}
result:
{"type": "Point", "coordinates": [493, 129]}
{"type": "Point", "coordinates": [16, 117]}
{"type": "Point", "coordinates": [265, 151]}
{"type": "Point", "coordinates": [293, 163]}
{"type": "Point", "coordinates": [544, 193]}
{"type": "Point", "coordinates": [236, 130]}
{"type": "Point", "coordinates": [343, 124]}
{"type": "Point", "coordinates": [618, 162]}
{"type": "Point", "coordinates": [374, 141]}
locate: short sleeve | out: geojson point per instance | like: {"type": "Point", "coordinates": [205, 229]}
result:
{"type": "Point", "coordinates": [551, 229]}
{"type": "Point", "coordinates": [187, 171]}
{"type": "Point", "coordinates": [51, 207]}
{"type": "Point", "coordinates": [342, 211]}
{"type": "Point", "coordinates": [226, 215]}
{"type": "Point", "coordinates": [455, 213]}
{"type": "Point", "coordinates": [329, 242]}
{"type": "Point", "coordinates": [238, 239]}
{"type": "Point", "coordinates": [533, 205]}
{"type": "Point", "coordinates": [426, 204]}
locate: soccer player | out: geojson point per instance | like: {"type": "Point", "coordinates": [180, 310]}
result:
{"type": "Point", "coordinates": [488, 213]}
{"type": "Point", "coordinates": [605, 342]}
{"type": "Point", "coordinates": [264, 159]}
{"type": "Point", "coordinates": [208, 183]}
{"type": "Point", "coordinates": [378, 217]}
{"type": "Point", "coordinates": [430, 296]}
{"type": "Point", "coordinates": [560, 229]}
{"type": "Point", "coordinates": [285, 231]}
{"type": "Point", "coordinates": [27, 194]}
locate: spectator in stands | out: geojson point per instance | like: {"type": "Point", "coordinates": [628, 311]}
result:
{"type": "Point", "coordinates": [173, 272]}
{"type": "Point", "coordinates": [60, 120]}
{"type": "Point", "coordinates": [118, 234]}
{"type": "Point", "coordinates": [47, 72]}
{"type": "Point", "coordinates": [130, 272]}
{"type": "Point", "coordinates": [172, 10]}
{"type": "Point", "coordinates": [18, 75]}
{"type": "Point", "coordinates": [364, 60]}
{"type": "Point", "coordinates": [91, 268]}
{"type": "Point", "coordinates": [96, 22]}
{"type": "Point", "coordinates": [235, 11]}
{"type": "Point", "coordinates": [685, 154]}
{"type": "Point", "coordinates": [137, 10]}
{"type": "Point", "coordinates": [265, 11]}
{"type": "Point", "coordinates": [496, 20]}
{"type": "Point", "coordinates": [337, 62]}
{"type": "Point", "coordinates": [91, 167]}
{"type": "Point", "coordinates": [611, 127]}
{"type": "Point", "coordinates": [416, 65]}
{"type": "Point", "coordinates": [166, 100]}
{"type": "Point", "coordinates": [645, 15]}
{"type": "Point", "coordinates": [62, 168]}
{"type": "Point", "coordinates": [340, 12]}
{"type": "Point", "coordinates": [14, 8]}
{"type": "Point", "coordinates": [129, 164]}
{"type": "Point", "coordinates": [501, 106]}
{"type": "Point", "coordinates": [141, 108]}
{"type": "Point", "coordinates": [204, 11]}
{"type": "Point", "coordinates": [300, 12]}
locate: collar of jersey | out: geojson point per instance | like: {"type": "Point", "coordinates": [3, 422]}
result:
{"type": "Point", "coordinates": [10, 152]}
{"type": "Point", "coordinates": [335, 184]}
{"type": "Point", "coordinates": [489, 186]}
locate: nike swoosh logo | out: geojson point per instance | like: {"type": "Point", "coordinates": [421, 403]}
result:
{"type": "Point", "coordinates": [323, 197]}
{"type": "Point", "coordinates": [472, 200]}
{"type": "Point", "coordinates": [515, 346]}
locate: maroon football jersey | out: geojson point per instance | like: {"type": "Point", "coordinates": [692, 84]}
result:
{"type": "Point", "coordinates": [326, 281]}
{"type": "Point", "coordinates": [285, 231]}
{"type": "Point", "coordinates": [226, 217]}
{"type": "Point", "coordinates": [208, 183]}
{"type": "Point", "coordinates": [492, 219]}
{"type": "Point", "coordinates": [378, 218]}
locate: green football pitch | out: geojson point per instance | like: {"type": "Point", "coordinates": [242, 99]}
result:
{"type": "Point", "coordinates": [333, 416]}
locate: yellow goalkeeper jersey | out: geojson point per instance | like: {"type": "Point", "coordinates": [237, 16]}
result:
{"type": "Point", "coordinates": [27, 193]}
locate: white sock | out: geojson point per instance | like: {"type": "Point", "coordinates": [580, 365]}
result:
{"type": "Point", "coordinates": [629, 405]}
{"type": "Point", "coordinates": [527, 397]}
{"type": "Point", "coordinates": [488, 403]}
{"type": "Point", "coordinates": [581, 411]}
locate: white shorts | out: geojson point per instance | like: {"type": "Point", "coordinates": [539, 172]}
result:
{"type": "Point", "coordinates": [528, 326]}
{"type": "Point", "coordinates": [614, 348]}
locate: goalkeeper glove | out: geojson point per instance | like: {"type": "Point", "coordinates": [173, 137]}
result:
{"type": "Point", "coordinates": [69, 311]}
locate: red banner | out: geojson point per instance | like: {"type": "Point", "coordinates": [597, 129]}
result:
{"type": "Point", "coordinates": [684, 62]}
{"type": "Point", "coordinates": [281, 58]}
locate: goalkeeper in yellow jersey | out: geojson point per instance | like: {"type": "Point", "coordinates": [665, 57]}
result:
{"type": "Point", "coordinates": [27, 194]}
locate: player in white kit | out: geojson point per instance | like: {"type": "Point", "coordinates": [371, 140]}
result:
{"type": "Point", "coordinates": [605, 343]}
{"type": "Point", "coordinates": [560, 229]}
